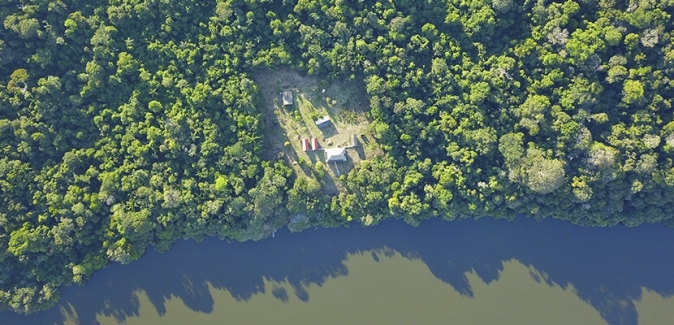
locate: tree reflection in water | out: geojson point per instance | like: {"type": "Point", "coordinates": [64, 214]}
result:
{"type": "Point", "coordinates": [607, 266]}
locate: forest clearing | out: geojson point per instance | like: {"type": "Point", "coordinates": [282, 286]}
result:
{"type": "Point", "coordinates": [344, 103]}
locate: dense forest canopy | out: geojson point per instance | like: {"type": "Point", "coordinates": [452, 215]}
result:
{"type": "Point", "coordinates": [129, 123]}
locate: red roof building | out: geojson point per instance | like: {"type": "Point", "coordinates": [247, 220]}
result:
{"type": "Point", "coordinates": [314, 144]}
{"type": "Point", "coordinates": [305, 145]}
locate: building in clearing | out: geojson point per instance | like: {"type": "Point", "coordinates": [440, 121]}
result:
{"type": "Point", "coordinates": [335, 154]}
{"type": "Point", "coordinates": [354, 141]}
{"type": "Point", "coordinates": [323, 122]}
{"type": "Point", "coordinates": [305, 145]}
{"type": "Point", "coordinates": [287, 98]}
{"type": "Point", "coordinates": [314, 144]}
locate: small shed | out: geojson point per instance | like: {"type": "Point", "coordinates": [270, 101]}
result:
{"type": "Point", "coordinates": [287, 98]}
{"type": "Point", "coordinates": [354, 140]}
{"type": "Point", "coordinates": [323, 122]}
{"type": "Point", "coordinates": [314, 144]}
{"type": "Point", "coordinates": [335, 154]}
{"type": "Point", "coordinates": [305, 145]}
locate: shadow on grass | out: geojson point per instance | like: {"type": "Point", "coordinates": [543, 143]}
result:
{"type": "Point", "coordinates": [329, 130]}
{"type": "Point", "coordinates": [360, 151]}
{"type": "Point", "coordinates": [329, 187]}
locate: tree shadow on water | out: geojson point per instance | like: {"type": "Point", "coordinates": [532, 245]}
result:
{"type": "Point", "coordinates": [608, 267]}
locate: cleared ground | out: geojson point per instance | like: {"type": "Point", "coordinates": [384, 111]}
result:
{"type": "Point", "coordinates": [345, 102]}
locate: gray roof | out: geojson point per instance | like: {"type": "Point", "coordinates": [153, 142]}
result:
{"type": "Point", "coordinates": [323, 121]}
{"type": "Point", "coordinates": [287, 97]}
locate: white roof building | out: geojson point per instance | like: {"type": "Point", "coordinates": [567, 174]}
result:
{"type": "Point", "coordinates": [335, 154]}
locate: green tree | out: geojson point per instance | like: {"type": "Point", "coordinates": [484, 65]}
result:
{"type": "Point", "coordinates": [543, 175]}
{"type": "Point", "coordinates": [633, 91]}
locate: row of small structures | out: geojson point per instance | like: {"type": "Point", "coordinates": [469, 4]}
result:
{"type": "Point", "coordinates": [331, 154]}
{"type": "Point", "coordinates": [314, 145]}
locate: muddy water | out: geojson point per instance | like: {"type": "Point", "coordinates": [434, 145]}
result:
{"type": "Point", "coordinates": [394, 290]}
{"type": "Point", "coordinates": [465, 272]}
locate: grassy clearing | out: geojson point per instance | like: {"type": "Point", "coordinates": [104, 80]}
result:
{"type": "Point", "coordinates": [285, 126]}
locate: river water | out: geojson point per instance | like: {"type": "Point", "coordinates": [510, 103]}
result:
{"type": "Point", "coordinates": [463, 272]}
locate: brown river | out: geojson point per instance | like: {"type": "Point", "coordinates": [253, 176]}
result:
{"type": "Point", "coordinates": [463, 272]}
